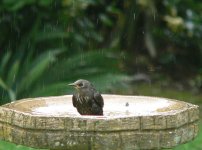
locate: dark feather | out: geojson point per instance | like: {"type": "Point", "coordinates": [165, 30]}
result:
{"type": "Point", "coordinates": [74, 101]}
{"type": "Point", "coordinates": [98, 99]}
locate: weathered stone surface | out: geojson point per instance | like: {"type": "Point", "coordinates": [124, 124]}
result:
{"type": "Point", "coordinates": [6, 115]}
{"type": "Point", "coordinates": [17, 119]}
{"type": "Point", "coordinates": [107, 141]}
{"type": "Point", "coordinates": [193, 113]}
{"type": "Point", "coordinates": [160, 122]}
{"type": "Point", "coordinates": [33, 124]}
{"type": "Point", "coordinates": [54, 123]}
{"type": "Point", "coordinates": [29, 122]}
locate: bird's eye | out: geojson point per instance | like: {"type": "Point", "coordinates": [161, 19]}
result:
{"type": "Point", "coordinates": [80, 84]}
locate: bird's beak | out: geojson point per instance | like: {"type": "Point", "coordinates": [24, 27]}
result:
{"type": "Point", "coordinates": [72, 84]}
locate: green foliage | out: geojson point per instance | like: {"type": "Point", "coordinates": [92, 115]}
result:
{"type": "Point", "coordinates": [43, 46]}
{"type": "Point", "coordinates": [181, 30]}
{"type": "Point", "coordinates": [9, 146]}
{"type": "Point", "coordinates": [49, 24]}
{"type": "Point", "coordinates": [167, 33]}
{"type": "Point", "coordinates": [80, 66]}
{"type": "Point", "coordinates": [49, 73]}
{"type": "Point", "coordinates": [18, 75]}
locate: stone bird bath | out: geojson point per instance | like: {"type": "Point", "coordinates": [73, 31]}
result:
{"type": "Point", "coordinates": [129, 122]}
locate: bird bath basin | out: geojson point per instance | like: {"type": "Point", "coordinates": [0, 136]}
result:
{"type": "Point", "coordinates": [129, 122]}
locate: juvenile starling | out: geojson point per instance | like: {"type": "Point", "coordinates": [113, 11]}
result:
{"type": "Point", "coordinates": [87, 99]}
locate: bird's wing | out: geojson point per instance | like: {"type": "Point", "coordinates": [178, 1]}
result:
{"type": "Point", "coordinates": [74, 101]}
{"type": "Point", "coordinates": [98, 99]}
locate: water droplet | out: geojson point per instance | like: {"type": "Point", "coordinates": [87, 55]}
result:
{"type": "Point", "coordinates": [127, 104]}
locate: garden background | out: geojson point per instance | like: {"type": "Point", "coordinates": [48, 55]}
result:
{"type": "Point", "coordinates": [142, 47]}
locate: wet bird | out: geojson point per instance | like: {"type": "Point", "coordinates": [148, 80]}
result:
{"type": "Point", "coordinates": [87, 99]}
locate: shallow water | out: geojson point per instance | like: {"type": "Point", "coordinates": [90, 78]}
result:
{"type": "Point", "coordinates": [115, 106]}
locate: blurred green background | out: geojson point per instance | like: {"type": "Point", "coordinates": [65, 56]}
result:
{"type": "Point", "coordinates": [142, 47]}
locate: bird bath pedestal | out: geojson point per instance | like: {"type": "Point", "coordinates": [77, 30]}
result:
{"type": "Point", "coordinates": [129, 123]}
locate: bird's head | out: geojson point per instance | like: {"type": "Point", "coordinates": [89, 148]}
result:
{"type": "Point", "coordinates": [81, 85]}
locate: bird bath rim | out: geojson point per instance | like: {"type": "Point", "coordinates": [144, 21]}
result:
{"type": "Point", "coordinates": [115, 106]}
{"type": "Point", "coordinates": [165, 128]}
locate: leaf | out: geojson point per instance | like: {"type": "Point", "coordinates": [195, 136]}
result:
{"type": "Point", "coordinates": [106, 20]}
{"type": "Point", "coordinates": [51, 35]}
{"type": "Point", "coordinates": [4, 61]}
{"type": "Point", "coordinates": [37, 69]}
{"type": "Point", "coordinates": [12, 95]}
{"type": "Point", "coordinates": [13, 73]}
{"type": "Point", "coordinates": [3, 85]}
{"type": "Point", "coordinates": [13, 5]}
